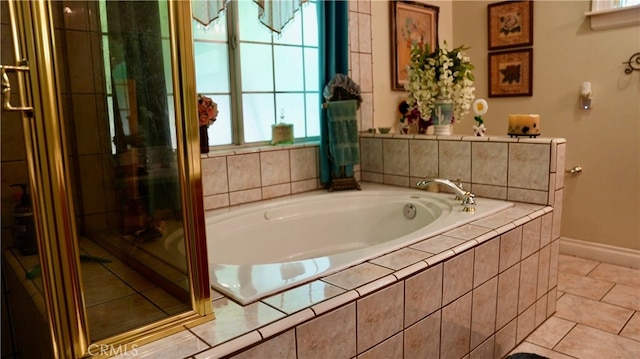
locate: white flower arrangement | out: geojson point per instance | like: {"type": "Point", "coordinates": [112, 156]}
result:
{"type": "Point", "coordinates": [480, 107]}
{"type": "Point", "coordinates": [442, 74]}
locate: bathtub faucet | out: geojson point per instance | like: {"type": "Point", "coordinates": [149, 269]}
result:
{"type": "Point", "coordinates": [468, 198]}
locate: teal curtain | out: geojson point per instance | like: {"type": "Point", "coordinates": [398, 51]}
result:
{"type": "Point", "coordinates": [333, 27]}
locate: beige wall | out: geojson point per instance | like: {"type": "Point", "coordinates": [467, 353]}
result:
{"type": "Point", "coordinates": [601, 205]}
{"type": "Point", "coordinates": [385, 100]}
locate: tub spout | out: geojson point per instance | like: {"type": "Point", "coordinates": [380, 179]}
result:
{"type": "Point", "coordinates": [468, 198]}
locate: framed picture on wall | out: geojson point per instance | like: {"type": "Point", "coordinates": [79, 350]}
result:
{"type": "Point", "coordinates": [511, 73]}
{"type": "Point", "coordinates": [510, 24]}
{"type": "Point", "coordinates": [411, 23]}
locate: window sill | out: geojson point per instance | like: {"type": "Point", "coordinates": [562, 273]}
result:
{"type": "Point", "coordinates": [611, 18]}
{"type": "Point", "coordinates": [238, 150]}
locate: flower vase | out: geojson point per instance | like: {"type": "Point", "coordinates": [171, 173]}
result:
{"type": "Point", "coordinates": [442, 117]}
{"type": "Point", "coordinates": [204, 139]}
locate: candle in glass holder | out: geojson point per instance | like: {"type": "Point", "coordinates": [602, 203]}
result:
{"type": "Point", "coordinates": [524, 125]}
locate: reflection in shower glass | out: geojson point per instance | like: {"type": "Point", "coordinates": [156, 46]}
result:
{"type": "Point", "coordinates": [123, 147]}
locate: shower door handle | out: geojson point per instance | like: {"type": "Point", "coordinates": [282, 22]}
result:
{"type": "Point", "coordinates": [6, 87]}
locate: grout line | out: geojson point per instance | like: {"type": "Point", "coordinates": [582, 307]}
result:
{"type": "Point", "coordinates": [575, 324]}
{"type": "Point", "coordinates": [625, 323]}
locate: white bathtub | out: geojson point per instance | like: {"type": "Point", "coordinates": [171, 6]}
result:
{"type": "Point", "coordinates": [261, 249]}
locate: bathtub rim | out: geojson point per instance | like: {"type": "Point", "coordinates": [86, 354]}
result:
{"type": "Point", "coordinates": [342, 264]}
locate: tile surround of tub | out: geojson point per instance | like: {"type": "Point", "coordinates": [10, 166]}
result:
{"type": "Point", "coordinates": [395, 157]}
{"type": "Point", "coordinates": [419, 150]}
{"type": "Point", "coordinates": [483, 318]}
{"type": "Point", "coordinates": [519, 170]}
{"type": "Point", "coordinates": [459, 314]}
{"type": "Point", "coordinates": [529, 164]}
{"type": "Point", "coordinates": [390, 304]}
{"type": "Point", "coordinates": [454, 160]}
{"type": "Point", "coordinates": [489, 163]}
{"type": "Point", "coordinates": [237, 177]}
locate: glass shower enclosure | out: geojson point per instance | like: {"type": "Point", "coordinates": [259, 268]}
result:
{"type": "Point", "coordinates": [113, 163]}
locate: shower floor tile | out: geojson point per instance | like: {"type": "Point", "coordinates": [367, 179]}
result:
{"type": "Point", "coordinates": [115, 316]}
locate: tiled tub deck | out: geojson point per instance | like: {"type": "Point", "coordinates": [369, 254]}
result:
{"type": "Point", "coordinates": [479, 289]}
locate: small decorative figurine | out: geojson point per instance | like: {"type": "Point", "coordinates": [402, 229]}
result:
{"type": "Point", "coordinates": [480, 107]}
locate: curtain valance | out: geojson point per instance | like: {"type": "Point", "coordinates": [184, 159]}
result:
{"type": "Point", "coordinates": [274, 14]}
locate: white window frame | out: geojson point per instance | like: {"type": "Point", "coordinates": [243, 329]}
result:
{"type": "Point", "coordinates": [235, 92]}
{"type": "Point", "coordinates": [607, 14]}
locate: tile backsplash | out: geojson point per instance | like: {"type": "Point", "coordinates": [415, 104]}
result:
{"type": "Point", "coordinates": [236, 177]}
{"type": "Point", "coordinates": [519, 170]}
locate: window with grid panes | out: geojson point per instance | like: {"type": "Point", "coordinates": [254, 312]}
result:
{"type": "Point", "coordinates": [259, 78]}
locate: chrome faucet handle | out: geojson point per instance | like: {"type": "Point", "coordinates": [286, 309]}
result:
{"type": "Point", "coordinates": [469, 203]}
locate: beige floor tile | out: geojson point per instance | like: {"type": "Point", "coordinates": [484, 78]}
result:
{"type": "Point", "coordinates": [104, 289]}
{"type": "Point", "coordinates": [165, 301]}
{"type": "Point", "coordinates": [589, 343]}
{"type": "Point", "coordinates": [583, 286]}
{"type": "Point", "coordinates": [551, 332]}
{"type": "Point", "coordinates": [589, 312]}
{"type": "Point", "coordinates": [632, 329]}
{"type": "Point", "coordinates": [526, 347]}
{"type": "Point", "coordinates": [92, 271]}
{"type": "Point", "coordinates": [624, 296]}
{"type": "Point", "coordinates": [576, 265]}
{"type": "Point", "coordinates": [617, 274]}
{"type": "Point", "coordinates": [136, 280]}
{"type": "Point", "coordinates": [581, 283]}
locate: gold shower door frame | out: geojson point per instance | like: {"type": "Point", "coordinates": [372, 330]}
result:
{"type": "Point", "coordinates": [49, 176]}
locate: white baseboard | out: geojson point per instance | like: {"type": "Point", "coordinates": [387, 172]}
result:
{"type": "Point", "coordinates": [600, 252]}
